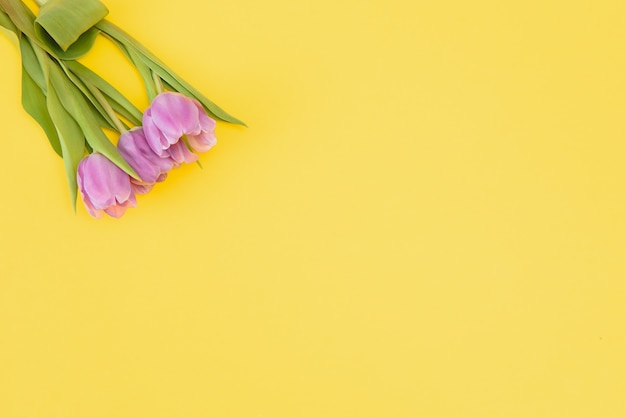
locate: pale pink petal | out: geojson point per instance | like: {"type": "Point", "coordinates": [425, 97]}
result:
{"type": "Point", "coordinates": [115, 211]}
{"type": "Point", "coordinates": [181, 154]}
{"type": "Point", "coordinates": [203, 142]}
{"type": "Point", "coordinates": [142, 188]}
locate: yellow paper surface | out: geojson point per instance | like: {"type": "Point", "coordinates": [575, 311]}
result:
{"type": "Point", "coordinates": [425, 218]}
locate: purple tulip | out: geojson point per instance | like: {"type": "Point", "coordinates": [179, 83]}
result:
{"type": "Point", "coordinates": [104, 187]}
{"type": "Point", "coordinates": [173, 116]}
{"type": "Point", "coordinates": [150, 167]}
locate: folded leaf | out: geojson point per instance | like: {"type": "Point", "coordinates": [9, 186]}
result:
{"type": "Point", "coordinates": [66, 20]}
{"type": "Point", "coordinates": [24, 19]}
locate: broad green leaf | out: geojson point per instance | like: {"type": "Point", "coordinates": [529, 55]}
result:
{"type": "Point", "coordinates": [8, 28]}
{"type": "Point", "coordinates": [34, 102]}
{"type": "Point", "coordinates": [5, 22]}
{"type": "Point", "coordinates": [71, 137]}
{"type": "Point", "coordinates": [74, 102]}
{"type": "Point", "coordinates": [66, 20]}
{"type": "Point", "coordinates": [119, 102]}
{"type": "Point", "coordinates": [164, 71]}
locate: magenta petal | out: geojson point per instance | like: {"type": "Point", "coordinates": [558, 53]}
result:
{"type": "Point", "coordinates": [99, 173]}
{"type": "Point", "coordinates": [175, 115]}
{"type": "Point", "coordinates": [104, 186]}
{"type": "Point", "coordinates": [135, 149]}
{"type": "Point", "coordinates": [157, 142]}
{"type": "Point", "coordinates": [206, 123]}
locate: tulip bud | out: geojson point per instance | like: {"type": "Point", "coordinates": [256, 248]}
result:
{"type": "Point", "coordinates": [104, 187]}
{"type": "Point", "coordinates": [172, 117]}
{"type": "Point", "coordinates": [150, 167]}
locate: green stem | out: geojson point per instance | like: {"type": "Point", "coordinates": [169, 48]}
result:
{"type": "Point", "coordinates": [157, 81]}
{"type": "Point", "coordinates": [107, 107]}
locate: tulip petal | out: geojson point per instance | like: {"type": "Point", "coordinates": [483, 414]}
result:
{"type": "Point", "coordinates": [115, 211]}
{"type": "Point", "coordinates": [157, 142]}
{"type": "Point", "coordinates": [151, 168]}
{"type": "Point", "coordinates": [181, 154]}
{"type": "Point", "coordinates": [142, 188]}
{"type": "Point", "coordinates": [206, 123]}
{"type": "Point", "coordinates": [175, 115]}
{"type": "Point", "coordinates": [203, 142]}
{"type": "Point", "coordinates": [104, 186]}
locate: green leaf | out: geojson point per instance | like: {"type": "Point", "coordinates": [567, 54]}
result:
{"type": "Point", "coordinates": [74, 102]}
{"type": "Point", "coordinates": [34, 102]}
{"type": "Point", "coordinates": [144, 72]}
{"type": "Point", "coordinates": [66, 20]}
{"type": "Point", "coordinates": [164, 71]}
{"type": "Point", "coordinates": [187, 89]}
{"type": "Point", "coordinates": [77, 50]}
{"type": "Point", "coordinates": [31, 64]}
{"type": "Point", "coordinates": [5, 22]}
{"type": "Point", "coordinates": [103, 117]}
{"type": "Point", "coordinates": [71, 137]}
{"type": "Point", "coordinates": [118, 101]}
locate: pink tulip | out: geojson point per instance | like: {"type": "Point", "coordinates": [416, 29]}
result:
{"type": "Point", "coordinates": [150, 167]}
{"type": "Point", "coordinates": [173, 116]}
{"type": "Point", "coordinates": [104, 187]}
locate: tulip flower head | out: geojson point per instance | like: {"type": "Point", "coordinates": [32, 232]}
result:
{"type": "Point", "coordinates": [172, 119]}
{"type": "Point", "coordinates": [150, 167]}
{"type": "Point", "coordinates": [104, 187]}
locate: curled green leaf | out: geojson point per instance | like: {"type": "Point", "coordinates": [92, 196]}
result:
{"type": "Point", "coordinates": [24, 19]}
{"type": "Point", "coordinates": [65, 21]}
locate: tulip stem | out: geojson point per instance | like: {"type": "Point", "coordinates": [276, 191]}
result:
{"type": "Point", "coordinates": [157, 82]}
{"type": "Point", "coordinates": [107, 107]}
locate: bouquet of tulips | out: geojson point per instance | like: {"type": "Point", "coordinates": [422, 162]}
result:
{"type": "Point", "coordinates": [74, 105]}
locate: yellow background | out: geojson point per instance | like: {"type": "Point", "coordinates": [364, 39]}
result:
{"type": "Point", "coordinates": [426, 218]}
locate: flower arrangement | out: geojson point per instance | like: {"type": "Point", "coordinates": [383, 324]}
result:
{"type": "Point", "coordinates": [74, 105]}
